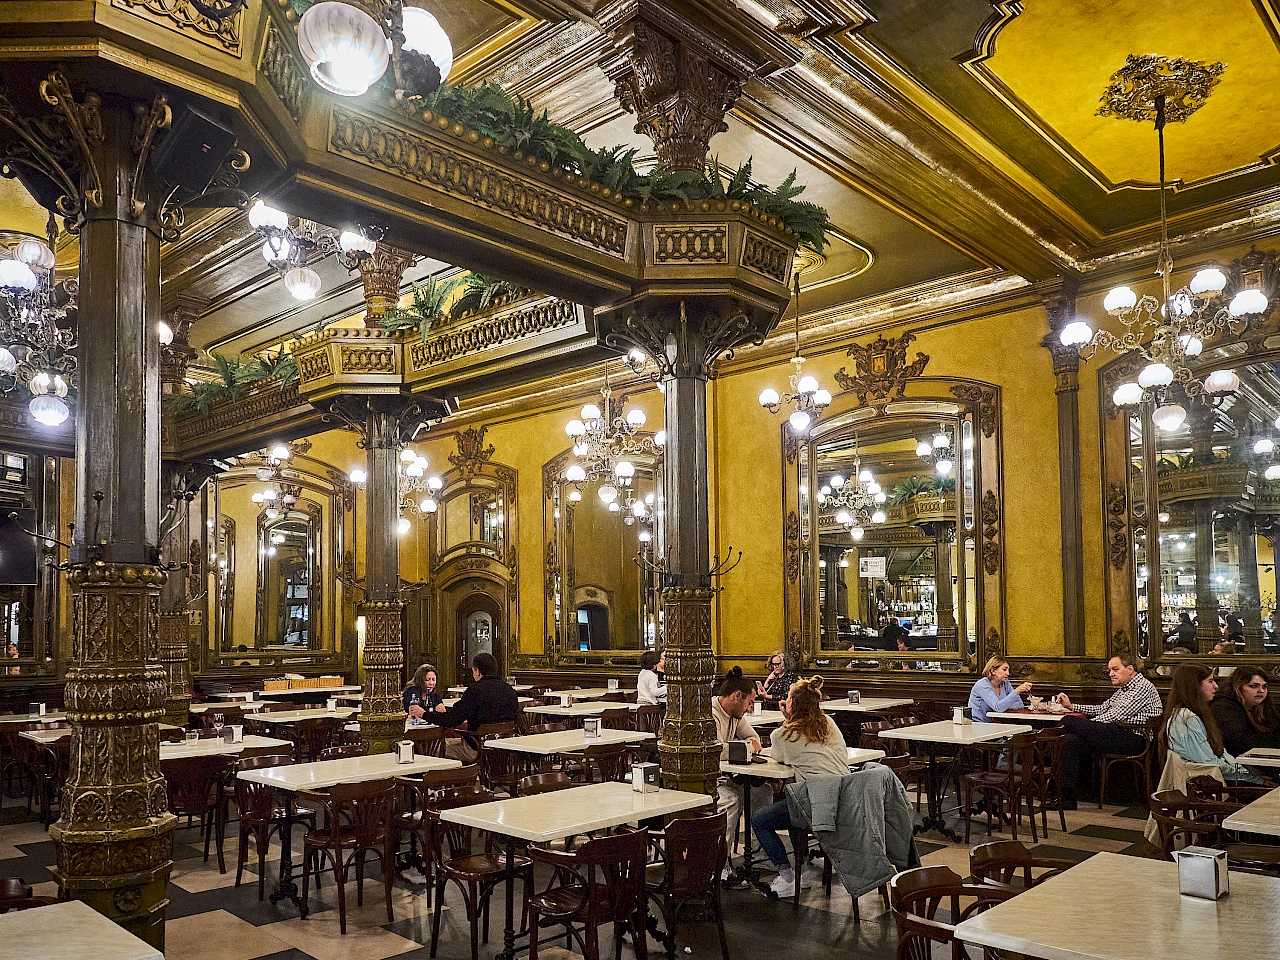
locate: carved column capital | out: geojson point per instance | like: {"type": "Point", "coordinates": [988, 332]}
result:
{"type": "Point", "coordinates": [381, 275]}
{"type": "Point", "coordinates": [177, 356]}
{"type": "Point", "coordinates": [1059, 298]}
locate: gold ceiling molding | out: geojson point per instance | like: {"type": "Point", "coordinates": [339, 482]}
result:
{"type": "Point", "coordinates": [182, 17]}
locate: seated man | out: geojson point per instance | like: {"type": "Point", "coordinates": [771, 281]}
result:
{"type": "Point", "coordinates": [489, 700]}
{"type": "Point", "coordinates": [1101, 729]}
{"type": "Point", "coordinates": [733, 701]}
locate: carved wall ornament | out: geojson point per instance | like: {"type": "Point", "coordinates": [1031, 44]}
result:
{"type": "Point", "coordinates": [881, 369]}
{"type": "Point", "coordinates": [472, 453]}
{"type": "Point", "coordinates": [182, 16]}
{"type": "Point", "coordinates": [791, 533]}
{"type": "Point", "coordinates": [990, 533]}
{"type": "Point", "coordinates": [984, 399]}
{"type": "Point", "coordinates": [1118, 644]}
{"type": "Point", "coordinates": [383, 146]}
{"type": "Point", "coordinates": [287, 77]}
{"type": "Point", "coordinates": [994, 643]}
{"type": "Point", "coordinates": [790, 445]}
{"type": "Point", "coordinates": [1117, 525]}
{"type": "Point", "coordinates": [768, 257]}
{"type": "Point", "coordinates": [493, 332]}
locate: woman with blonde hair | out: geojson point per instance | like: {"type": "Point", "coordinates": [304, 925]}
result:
{"type": "Point", "coordinates": [994, 693]}
{"type": "Point", "coordinates": [812, 746]}
{"type": "Point", "coordinates": [782, 674]}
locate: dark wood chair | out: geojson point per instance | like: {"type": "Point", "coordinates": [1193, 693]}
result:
{"type": "Point", "coordinates": [16, 894]}
{"type": "Point", "coordinates": [418, 795]}
{"type": "Point", "coordinates": [196, 790]}
{"type": "Point", "coordinates": [50, 764]}
{"type": "Point", "coordinates": [1140, 762]}
{"type": "Point", "coordinates": [1008, 863]}
{"type": "Point", "coordinates": [1181, 821]}
{"type": "Point", "coordinates": [536, 783]}
{"type": "Point", "coordinates": [598, 763]}
{"type": "Point", "coordinates": [1049, 760]}
{"type": "Point", "coordinates": [344, 750]}
{"type": "Point", "coordinates": [231, 716]}
{"type": "Point", "coordinates": [603, 881]}
{"type": "Point", "coordinates": [1009, 777]}
{"type": "Point", "coordinates": [619, 719]}
{"type": "Point", "coordinates": [1206, 793]}
{"type": "Point", "coordinates": [359, 820]}
{"type": "Point", "coordinates": [312, 735]}
{"type": "Point", "coordinates": [693, 856]}
{"type": "Point", "coordinates": [427, 741]}
{"type": "Point", "coordinates": [259, 812]}
{"type": "Point", "coordinates": [918, 896]}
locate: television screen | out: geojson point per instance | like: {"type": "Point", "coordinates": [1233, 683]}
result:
{"type": "Point", "coordinates": [17, 548]}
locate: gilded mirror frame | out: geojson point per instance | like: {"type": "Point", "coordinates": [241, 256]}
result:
{"type": "Point", "coordinates": [909, 400]}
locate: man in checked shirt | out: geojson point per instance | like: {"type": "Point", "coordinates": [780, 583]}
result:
{"type": "Point", "coordinates": [1101, 729]}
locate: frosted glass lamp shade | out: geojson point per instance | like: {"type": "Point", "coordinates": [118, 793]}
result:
{"type": "Point", "coordinates": [345, 48]}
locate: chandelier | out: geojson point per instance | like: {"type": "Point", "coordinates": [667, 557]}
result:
{"type": "Point", "coordinates": [604, 441]}
{"type": "Point", "coordinates": [937, 451]}
{"type": "Point", "coordinates": [290, 245]}
{"type": "Point", "coordinates": [1167, 332]}
{"type": "Point", "coordinates": [414, 488]}
{"type": "Point", "coordinates": [856, 501]}
{"type": "Point", "coordinates": [37, 329]}
{"type": "Point", "coordinates": [807, 396]}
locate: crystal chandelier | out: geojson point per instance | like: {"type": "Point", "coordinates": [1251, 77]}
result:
{"type": "Point", "coordinates": [37, 329]}
{"type": "Point", "coordinates": [604, 440]}
{"type": "Point", "coordinates": [416, 490]}
{"type": "Point", "coordinates": [279, 495]}
{"type": "Point", "coordinates": [938, 452]}
{"type": "Point", "coordinates": [289, 245]}
{"type": "Point", "coordinates": [856, 501]}
{"type": "Point", "coordinates": [807, 396]}
{"type": "Point", "coordinates": [1170, 331]}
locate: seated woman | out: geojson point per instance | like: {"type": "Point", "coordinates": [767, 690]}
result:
{"type": "Point", "coordinates": [994, 693]}
{"type": "Point", "coordinates": [649, 685]}
{"type": "Point", "coordinates": [420, 695]}
{"type": "Point", "coordinates": [777, 685]}
{"type": "Point", "coordinates": [812, 746]}
{"type": "Point", "coordinates": [1245, 714]}
{"type": "Point", "coordinates": [1188, 728]}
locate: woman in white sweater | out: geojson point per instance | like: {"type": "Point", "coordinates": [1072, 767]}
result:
{"type": "Point", "coordinates": [649, 685]}
{"type": "Point", "coordinates": [812, 746]}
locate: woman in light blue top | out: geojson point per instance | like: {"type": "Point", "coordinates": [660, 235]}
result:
{"type": "Point", "coordinates": [1189, 728]}
{"type": "Point", "coordinates": [994, 693]}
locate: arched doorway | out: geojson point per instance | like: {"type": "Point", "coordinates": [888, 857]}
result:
{"type": "Point", "coordinates": [478, 629]}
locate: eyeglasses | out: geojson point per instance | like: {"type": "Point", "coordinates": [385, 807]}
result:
{"type": "Point", "coordinates": [775, 663]}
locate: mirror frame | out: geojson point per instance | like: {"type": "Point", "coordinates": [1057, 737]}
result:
{"type": "Point", "coordinates": [315, 589]}
{"type": "Point", "coordinates": [917, 398]}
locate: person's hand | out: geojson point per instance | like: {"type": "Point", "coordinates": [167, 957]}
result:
{"type": "Point", "coordinates": [1023, 689]}
{"type": "Point", "coordinates": [416, 712]}
{"type": "Point", "coordinates": [1064, 700]}
{"type": "Point", "coordinates": [439, 708]}
{"type": "Point", "coordinates": [760, 691]}
{"type": "Point", "coordinates": [756, 746]}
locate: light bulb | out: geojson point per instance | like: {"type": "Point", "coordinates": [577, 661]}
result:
{"type": "Point", "coordinates": [590, 412]}
{"type": "Point", "coordinates": [434, 484]}
{"type": "Point", "coordinates": [644, 536]}
{"type": "Point", "coordinates": [8, 362]}
{"type": "Point", "coordinates": [165, 333]}
{"type": "Point", "coordinates": [402, 526]}
{"type": "Point", "coordinates": [1162, 516]}
{"type": "Point", "coordinates": [624, 470]}
{"type": "Point", "coordinates": [34, 253]}
{"type": "Point", "coordinates": [638, 509]}
{"type": "Point", "coordinates": [257, 498]}
{"type": "Point", "coordinates": [1264, 446]}
{"type": "Point", "coordinates": [1221, 381]}
{"type": "Point", "coordinates": [408, 455]}
{"type": "Point", "coordinates": [944, 467]}
{"type": "Point", "coordinates": [636, 417]}
{"type": "Point", "coordinates": [613, 507]}
{"type": "Point", "coordinates": [637, 356]}
{"type": "Point", "coordinates": [261, 215]}
{"type": "Point", "coordinates": [1272, 472]}
{"type": "Point", "coordinates": [873, 487]}
{"type": "Point", "coordinates": [857, 533]}
{"type": "Point", "coordinates": [844, 561]}
{"type": "Point", "coordinates": [269, 493]}
{"type": "Point", "coordinates": [822, 563]}
{"type": "Point", "coordinates": [575, 496]}
{"type": "Point", "coordinates": [878, 517]}
{"type": "Point", "coordinates": [866, 476]}
{"type": "Point", "coordinates": [423, 34]}
{"type": "Point", "coordinates": [1182, 305]}
{"type": "Point", "coordinates": [414, 470]}
{"type": "Point", "coordinates": [303, 283]}
{"type": "Point", "coordinates": [660, 438]}
{"type": "Point", "coordinates": [1119, 298]}
{"type": "Point", "coordinates": [16, 275]}
{"type": "Point", "coordinates": [607, 492]}
{"type": "Point", "coordinates": [822, 398]}
{"type": "Point", "coordinates": [575, 428]}
{"type": "Point", "coordinates": [357, 475]}
{"type": "Point", "coordinates": [1127, 394]}
{"type": "Point", "coordinates": [280, 452]}
{"type": "Point", "coordinates": [49, 410]}
{"type": "Point", "coordinates": [1076, 334]}
{"type": "Point", "coordinates": [843, 517]}
{"type": "Point", "coordinates": [1208, 281]}
{"type": "Point", "coordinates": [923, 448]}
{"type": "Point", "coordinates": [277, 249]}
{"type": "Point", "coordinates": [942, 441]}
{"type": "Point", "coordinates": [799, 421]}
{"type": "Point", "coordinates": [1191, 345]}
{"type": "Point", "coordinates": [769, 397]}
{"type": "Point", "coordinates": [836, 481]}
{"type": "Point", "coordinates": [1155, 375]}
{"type": "Point", "coordinates": [346, 49]}
{"type": "Point", "coordinates": [352, 242]}
{"type": "Point", "coordinates": [575, 473]}
{"type": "Point", "coordinates": [807, 384]}
{"type": "Point", "coordinates": [1169, 417]}
{"type": "Point", "coordinates": [880, 496]}
{"type": "Point", "coordinates": [272, 513]}
{"type": "Point", "coordinates": [428, 505]}
{"type": "Point", "coordinates": [1247, 302]}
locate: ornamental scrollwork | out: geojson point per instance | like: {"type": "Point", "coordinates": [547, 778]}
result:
{"type": "Point", "coordinates": [185, 16]}
{"type": "Point", "coordinates": [984, 399]}
{"type": "Point", "coordinates": [990, 533]}
{"type": "Point", "coordinates": [791, 532]}
{"type": "Point", "coordinates": [472, 453]}
{"type": "Point", "coordinates": [881, 370]}
{"type": "Point", "coordinates": [1117, 525]}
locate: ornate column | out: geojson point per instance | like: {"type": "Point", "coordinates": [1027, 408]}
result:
{"type": "Point", "coordinates": [1201, 417]}
{"type": "Point", "coordinates": [381, 275]}
{"type": "Point", "coordinates": [944, 538]}
{"type": "Point", "coordinates": [114, 835]}
{"type": "Point", "coordinates": [1249, 593]}
{"type": "Point", "coordinates": [1059, 297]}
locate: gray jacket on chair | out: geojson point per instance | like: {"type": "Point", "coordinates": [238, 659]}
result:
{"type": "Point", "coordinates": [864, 822]}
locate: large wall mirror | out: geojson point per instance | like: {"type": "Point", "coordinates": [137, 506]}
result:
{"type": "Point", "coordinates": [282, 530]}
{"type": "Point", "coordinates": [601, 596]}
{"type": "Point", "coordinates": [892, 531]}
{"type": "Point", "coordinates": [1193, 515]}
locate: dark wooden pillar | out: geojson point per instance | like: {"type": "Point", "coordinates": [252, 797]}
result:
{"type": "Point", "coordinates": [944, 539]}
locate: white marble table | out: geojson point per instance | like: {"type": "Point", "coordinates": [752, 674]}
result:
{"type": "Point", "coordinates": [591, 693]}
{"type": "Point", "coordinates": [765, 718]}
{"type": "Point", "coordinates": [63, 931]}
{"type": "Point", "coordinates": [1260, 757]}
{"type": "Point", "coordinates": [945, 733]}
{"type": "Point", "coordinates": [293, 716]}
{"type": "Point", "coordinates": [1066, 917]}
{"type": "Point", "coordinates": [249, 706]}
{"type": "Point", "coordinates": [1261, 816]}
{"type": "Point", "coordinates": [29, 718]}
{"type": "Point", "coordinates": [544, 817]}
{"type": "Point", "coordinates": [216, 746]}
{"type": "Point", "coordinates": [45, 737]}
{"type": "Point", "coordinates": [577, 709]}
{"type": "Point", "coordinates": [1031, 717]}
{"type": "Point", "coordinates": [564, 741]}
{"type": "Point", "coordinates": [866, 705]}
{"type": "Point", "coordinates": [451, 701]}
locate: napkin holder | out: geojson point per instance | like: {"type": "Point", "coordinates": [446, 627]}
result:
{"type": "Point", "coordinates": [855, 697]}
{"type": "Point", "coordinates": [251, 696]}
{"type": "Point", "coordinates": [591, 728]}
{"type": "Point", "coordinates": [33, 710]}
{"type": "Point", "coordinates": [236, 732]}
{"type": "Point", "coordinates": [565, 699]}
{"type": "Point", "coordinates": [738, 751]}
{"type": "Point", "coordinates": [1202, 872]}
{"type": "Point", "coordinates": [613, 684]}
{"type": "Point", "coordinates": [757, 709]}
{"type": "Point", "coordinates": [644, 777]}
{"type": "Point", "coordinates": [961, 715]}
{"type": "Point", "coordinates": [404, 751]}
{"type": "Point", "coordinates": [511, 681]}
{"type": "Point", "coordinates": [331, 705]}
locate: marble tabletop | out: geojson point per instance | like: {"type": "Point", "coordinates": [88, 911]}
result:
{"type": "Point", "coordinates": [451, 701]}
{"type": "Point", "coordinates": [1261, 816]}
{"type": "Point", "coordinates": [773, 770]}
{"type": "Point", "coordinates": [61, 733]}
{"type": "Point", "coordinates": [286, 694]}
{"type": "Point", "coordinates": [28, 718]}
{"type": "Point", "coordinates": [765, 717]}
{"type": "Point", "coordinates": [1260, 757]}
{"type": "Point", "coordinates": [564, 741]}
{"type": "Point", "coordinates": [216, 746]}
{"type": "Point", "coordinates": [590, 693]}
{"type": "Point", "coordinates": [552, 816]}
{"type": "Point", "coordinates": [62, 931]}
{"type": "Point", "coordinates": [325, 773]}
{"type": "Point", "coordinates": [293, 716]}
{"type": "Point", "coordinates": [866, 705]}
{"type": "Point", "coordinates": [1031, 716]}
{"type": "Point", "coordinates": [1066, 917]}
{"type": "Point", "coordinates": [944, 731]}
{"type": "Point", "coordinates": [250, 706]}
{"type": "Point", "coordinates": [578, 709]}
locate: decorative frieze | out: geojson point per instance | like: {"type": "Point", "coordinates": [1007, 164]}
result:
{"type": "Point", "coordinates": [182, 16]}
{"type": "Point", "coordinates": [493, 332]}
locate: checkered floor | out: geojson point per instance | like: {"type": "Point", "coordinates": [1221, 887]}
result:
{"type": "Point", "coordinates": [209, 919]}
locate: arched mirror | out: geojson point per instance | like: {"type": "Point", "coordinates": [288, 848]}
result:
{"type": "Point", "coordinates": [288, 593]}
{"type": "Point", "coordinates": [602, 536]}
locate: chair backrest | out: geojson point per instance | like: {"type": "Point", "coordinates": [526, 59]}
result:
{"type": "Point", "coordinates": [194, 781]}
{"type": "Point", "coordinates": [230, 715]}
{"type": "Point", "coordinates": [1007, 862]}
{"type": "Point", "coordinates": [450, 840]}
{"type": "Point", "coordinates": [606, 762]}
{"type": "Point", "coordinates": [536, 783]}
{"type": "Point", "coordinates": [694, 854]}
{"type": "Point", "coordinates": [547, 728]}
{"type": "Point", "coordinates": [1205, 792]}
{"type": "Point", "coordinates": [1178, 820]}
{"type": "Point", "coordinates": [277, 706]}
{"type": "Point", "coordinates": [257, 800]}
{"type": "Point", "coordinates": [427, 741]}
{"type": "Point", "coordinates": [344, 750]}
{"type": "Point", "coordinates": [314, 734]}
{"type": "Point", "coordinates": [362, 812]}
{"type": "Point", "coordinates": [490, 731]}
{"type": "Point", "coordinates": [617, 863]}
{"type": "Point", "coordinates": [917, 895]}
{"type": "Point", "coordinates": [648, 718]}
{"type": "Point", "coordinates": [13, 890]}
{"type": "Point", "coordinates": [281, 750]}
{"type": "Point", "coordinates": [619, 719]}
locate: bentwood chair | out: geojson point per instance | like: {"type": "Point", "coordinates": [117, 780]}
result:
{"type": "Point", "coordinates": [1009, 777]}
{"type": "Point", "coordinates": [259, 812]}
{"type": "Point", "coordinates": [917, 897]}
{"type": "Point", "coordinates": [693, 856]}
{"type": "Point", "coordinates": [312, 735]}
{"type": "Point", "coordinates": [418, 796]}
{"type": "Point", "coordinates": [195, 790]}
{"type": "Point", "coordinates": [343, 750]}
{"type": "Point", "coordinates": [427, 741]}
{"type": "Point", "coordinates": [1140, 762]}
{"type": "Point", "coordinates": [1008, 863]}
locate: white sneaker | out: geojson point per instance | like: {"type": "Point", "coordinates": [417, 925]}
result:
{"type": "Point", "coordinates": [414, 875]}
{"type": "Point", "coordinates": [809, 876]}
{"type": "Point", "coordinates": [727, 873]}
{"type": "Point", "coordinates": [784, 884]}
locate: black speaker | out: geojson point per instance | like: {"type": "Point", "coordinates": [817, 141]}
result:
{"type": "Point", "coordinates": [192, 149]}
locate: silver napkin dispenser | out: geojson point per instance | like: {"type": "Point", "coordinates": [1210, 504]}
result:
{"type": "Point", "coordinates": [855, 697]}
{"type": "Point", "coordinates": [961, 715]}
{"type": "Point", "coordinates": [644, 777]}
{"type": "Point", "coordinates": [591, 728]}
{"type": "Point", "coordinates": [404, 751]}
{"type": "Point", "coordinates": [1202, 872]}
{"type": "Point", "coordinates": [738, 751]}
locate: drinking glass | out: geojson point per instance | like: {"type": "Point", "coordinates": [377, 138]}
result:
{"type": "Point", "coordinates": [219, 721]}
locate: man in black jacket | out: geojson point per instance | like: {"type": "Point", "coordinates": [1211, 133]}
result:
{"type": "Point", "coordinates": [489, 700]}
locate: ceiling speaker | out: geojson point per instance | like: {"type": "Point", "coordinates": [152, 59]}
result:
{"type": "Point", "coordinates": [192, 150]}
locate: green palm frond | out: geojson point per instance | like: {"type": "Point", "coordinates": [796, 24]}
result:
{"type": "Point", "coordinates": [429, 299]}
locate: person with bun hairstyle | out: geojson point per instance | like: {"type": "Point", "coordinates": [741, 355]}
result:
{"type": "Point", "coordinates": [811, 744]}
{"type": "Point", "coordinates": [729, 708]}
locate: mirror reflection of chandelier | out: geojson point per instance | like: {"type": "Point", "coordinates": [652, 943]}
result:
{"type": "Point", "coordinates": [1172, 330]}
{"type": "Point", "coordinates": [938, 451]}
{"type": "Point", "coordinates": [37, 329]}
{"type": "Point", "coordinates": [604, 441]}
{"type": "Point", "coordinates": [279, 494]}
{"type": "Point", "coordinates": [856, 501]}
